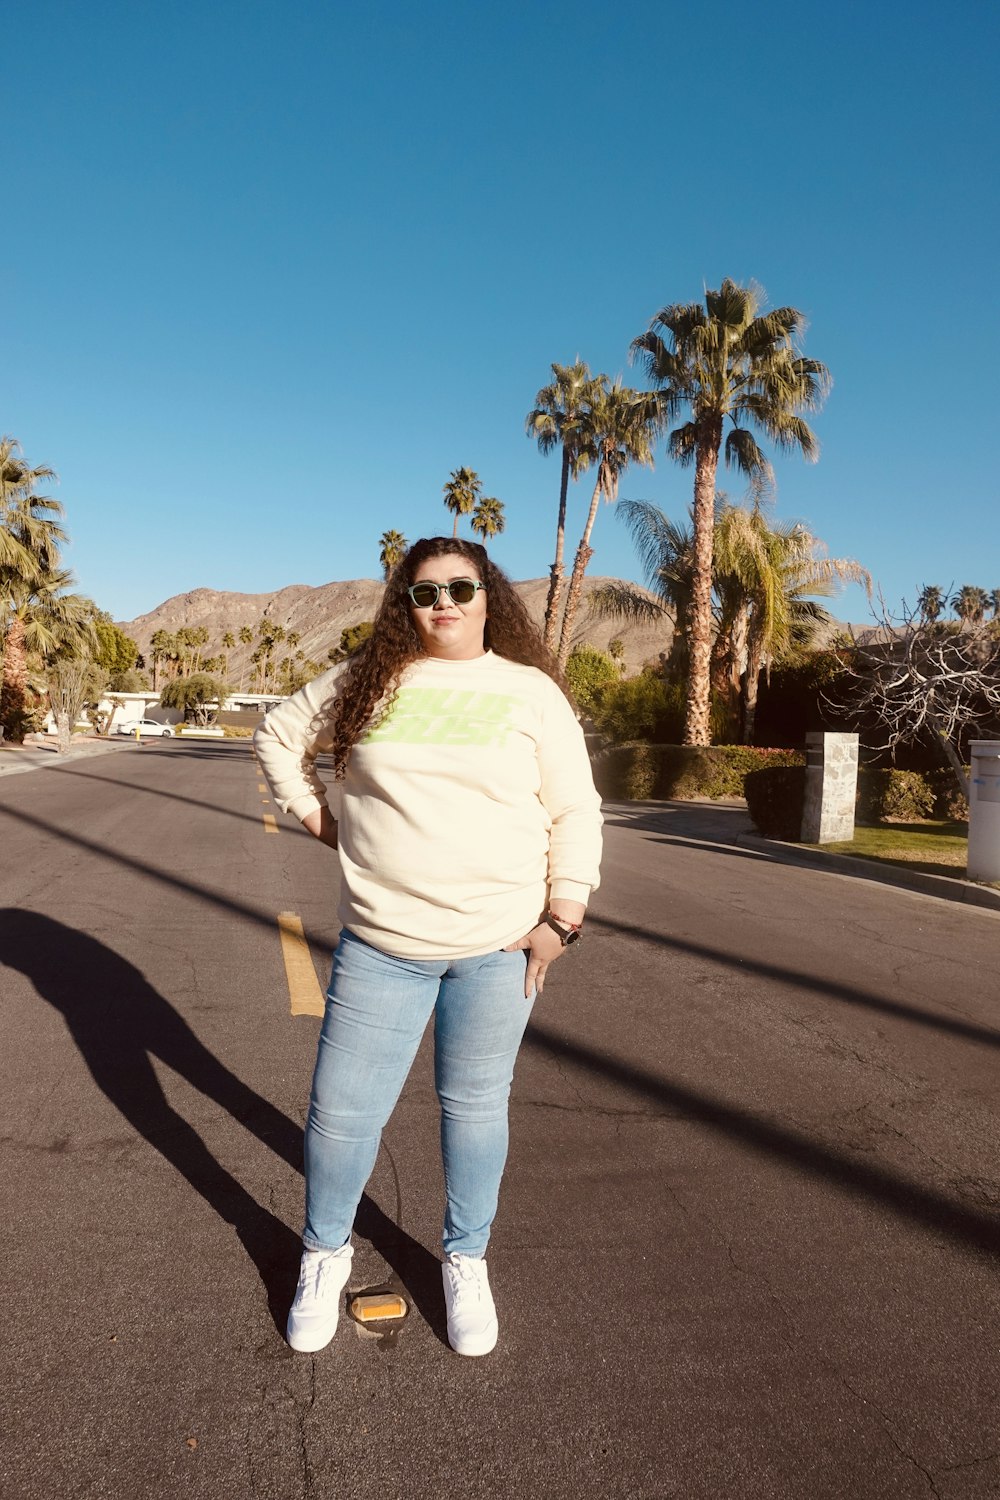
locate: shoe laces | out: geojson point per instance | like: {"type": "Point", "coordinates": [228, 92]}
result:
{"type": "Point", "coordinates": [469, 1270]}
{"type": "Point", "coordinates": [314, 1270]}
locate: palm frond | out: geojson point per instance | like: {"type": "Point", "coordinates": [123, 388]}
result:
{"type": "Point", "coordinates": [623, 601]}
{"type": "Point", "coordinates": [682, 444]}
{"type": "Point", "coordinates": [544, 427]}
{"type": "Point", "coordinates": [657, 540]}
{"type": "Point", "coordinates": [679, 320]}
{"type": "Point", "coordinates": [776, 328]}
{"type": "Point", "coordinates": [742, 452]}
{"type": "Point", "coordinates": [732, 305]}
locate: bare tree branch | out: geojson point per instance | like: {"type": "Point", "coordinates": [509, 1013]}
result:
{"type": "Point", "coordinates": [909, 679]}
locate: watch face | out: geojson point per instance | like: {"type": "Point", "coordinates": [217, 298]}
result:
{"type": "Point", "coordinates": [573, 936]}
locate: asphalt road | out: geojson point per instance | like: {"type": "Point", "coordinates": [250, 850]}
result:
{"type": "Point", "coordinates": [749, 1239]}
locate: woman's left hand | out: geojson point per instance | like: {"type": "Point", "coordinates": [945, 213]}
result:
{"type": "Point", "coordinates": [543, 948]}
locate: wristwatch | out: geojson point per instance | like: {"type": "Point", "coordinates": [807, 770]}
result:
{"type": "Point", "coordinates": [567, 931]}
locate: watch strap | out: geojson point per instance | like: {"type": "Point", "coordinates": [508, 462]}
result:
{"type": "Point", "coordinates": [567, 931]}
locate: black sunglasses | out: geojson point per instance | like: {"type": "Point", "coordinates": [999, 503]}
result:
{"type": "Point", "coordinates": [459, 591]}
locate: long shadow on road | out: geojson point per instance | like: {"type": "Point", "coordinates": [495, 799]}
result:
{"type": "Point", "coordinates": [905, 1198]}
{"type": "Point", "coordinates": [120, 1022]}
{"type": "Point", "coordinates": [801, 979]}
{"type": "Point", "coordinates": [420, 1271]}
{"type": "Point", "coordinates": [215, 808]}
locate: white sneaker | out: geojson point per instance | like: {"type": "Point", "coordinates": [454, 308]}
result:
{"type": "Point", "coordinates": [472, 1315]}
{"type": "Point", "coordinates": [315, 1311]}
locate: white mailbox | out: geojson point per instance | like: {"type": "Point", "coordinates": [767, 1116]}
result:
{"type": "Point", "coordinates": [984, 810]}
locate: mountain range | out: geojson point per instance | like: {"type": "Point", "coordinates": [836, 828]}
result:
{"type": "Point", "coordinates": [319, 614]}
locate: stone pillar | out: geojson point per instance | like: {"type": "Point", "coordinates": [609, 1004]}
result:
{"type": "Point", "coordinates": [831, 788]}
{"type": "Point", "coordinates": [984, 811]}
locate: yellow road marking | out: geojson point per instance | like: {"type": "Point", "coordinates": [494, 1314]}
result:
{"type": "Point", "coordinates": [262, 786]}
{"type": "Point", "coordinates": [304, 992]}
{"type": "Point", "coordinates": [270, 823]}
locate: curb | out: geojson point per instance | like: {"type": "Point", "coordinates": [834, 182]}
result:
{"type": "Point", "coordinates": [13, 763]}
{"type": "Point", "coordinates": [941, 886]}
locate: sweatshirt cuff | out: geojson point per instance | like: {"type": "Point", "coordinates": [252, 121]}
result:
{"type": "Point", "coordinates": [569, 890]}
{"type": "Point", "coordinates": [301, 807]}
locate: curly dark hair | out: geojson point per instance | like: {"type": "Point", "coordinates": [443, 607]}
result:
{"type": "Point", "coordinates": [367, 690]}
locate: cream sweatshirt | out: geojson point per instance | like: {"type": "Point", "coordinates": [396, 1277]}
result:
{"type": "Point", "coordinates": [468, 808]}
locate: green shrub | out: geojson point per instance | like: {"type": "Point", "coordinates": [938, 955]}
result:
{"type": "Point", "coordinates": [949, 803]}
{"type": "Point", "coordinates": [637, 772]}
{"type": "Point", "coordinates": [236, 732]}
{"type": "Point", "coordinates": [589, 672]}
{"type": "Point", "coordinates": [351, 638]}
{"type": "Point", "coordinates": [21, 721]}
{"type": "Point", "coordinates": [642, 708]}
{"type": "Point", "coordinates": [775, 795]}
{"type": "Point", "coordinates": [884, 794]}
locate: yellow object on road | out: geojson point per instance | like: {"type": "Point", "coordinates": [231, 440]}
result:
{"type": "Point", "coordinates": [371, 1309]}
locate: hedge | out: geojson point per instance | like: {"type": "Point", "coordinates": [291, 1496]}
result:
{"type": "Point", "coordinates": [775, 796]}
{"type": "Point", "coordinates": [949, 803]}
{"type": "Point", "coordinates": [886, 794]}
{"type": "Point", "coordinates": [638, 771]}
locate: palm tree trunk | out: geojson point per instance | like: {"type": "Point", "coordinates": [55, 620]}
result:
{"type": "Point", "coordinates": [755, 662]}
{"type": "Point", "coordinates": [720, 671]}
{"type": "Point", "coordinates": [454, 529]}
{"type": "Point", "coordinates": [740, 638]}
{"type": "Point", "coordinates": [13, 693]}
{"type": "Point", "coordinates": [737, 666]}
{"type": "Point", "coordinates": [584, 553]}
{"type": "Point", "coordinates": [697, 708]}
{"type": "Point", "coordinates": [557, 570]}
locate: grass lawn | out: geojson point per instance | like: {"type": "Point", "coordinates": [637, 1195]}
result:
{"type": "Point", "coordinates": [934, 848]}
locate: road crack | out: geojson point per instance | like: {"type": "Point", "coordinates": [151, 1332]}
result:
{"type": "Point", "coordinates": [795, 1340]}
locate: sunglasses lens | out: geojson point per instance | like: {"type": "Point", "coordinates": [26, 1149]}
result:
{"type": "Point", "coordinates": [463, 590]}
{"type": "Point", "coordinates": [424, 594]}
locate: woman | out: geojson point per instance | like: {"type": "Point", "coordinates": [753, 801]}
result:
{"type": "Point", "coordinates": [469, 844]}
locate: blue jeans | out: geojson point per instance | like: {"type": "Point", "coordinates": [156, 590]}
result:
{"type": "Point", "coordinates": [376, 1011]}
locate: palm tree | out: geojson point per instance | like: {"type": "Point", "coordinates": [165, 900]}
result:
{"type": "Point", "coordinates": [461, 493]}
{"type": "Point", "coordinates": [766, 575]}
{"type": "Point", "coordinates": [769, 577]}
{"type": "Point", "coordinates": [392, 547]}
{"type": "Point", "coordinates": [995, 603]}
{"type": "Point", "coordinates": [620, 424]}
{"type": "Point", "coordinates": [970, 604]}
{"type": "Point", "coordinates": [30, 536]}
{"type": "Point", "coordinates": [159, 650]}
{"type": "Point", "coordinates": [228, 642]}
{"type": "Point", "coordinates": [40, 617]}
{"type": "Point", "coordinates": [930, 602]}
{"type": "Point", "coordinates": [726, 361]}
{"type": "Point", "coordinates": [36, 613]}
{"type": "Point", "coordinates": [272, 638]}
{"type": "Point", "coordinates": [487, 518]}
{"type": "Point", "coordinates": [183, 641]}
{"type": "Point", "coordinates": [666, 552]}
{"type": "Point", "coordinates": [556, 422]}
{"type": "Point", "coordinates": [246, 639]}
{"type": "Point", "coordinates": [199, 639]}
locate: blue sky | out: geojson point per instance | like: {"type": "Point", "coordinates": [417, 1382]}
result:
{"type": "Point", "coordinates": [271, 271]}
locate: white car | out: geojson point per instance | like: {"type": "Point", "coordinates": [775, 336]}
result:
{"type": "Point", "coordinates": [146, 726]}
